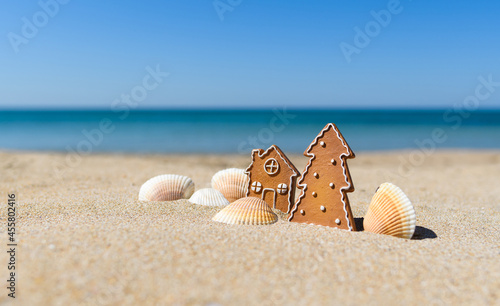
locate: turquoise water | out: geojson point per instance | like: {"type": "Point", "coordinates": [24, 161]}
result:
{"type": "Point", "coordinates": [240, 131]}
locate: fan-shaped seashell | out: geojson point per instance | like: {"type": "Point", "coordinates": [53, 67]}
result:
{"type": "Point", "coordinates": [166, 187]}
{"type": "Point", "coordinates": [209, 197]}
{"type": "Point", "coordinates": [390, 213]}
{"type": "Point", "coordinates": [232, 183]}
{"type": "Point", "coordinates": [250, 211]}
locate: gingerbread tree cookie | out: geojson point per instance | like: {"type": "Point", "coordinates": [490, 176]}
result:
{"type": "Point", "coordinates": [272, 177]}
{"type": "Point", "coordinates": [325, 182]}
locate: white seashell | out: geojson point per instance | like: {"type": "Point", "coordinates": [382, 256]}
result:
{"type": "Point", "coordinates": [232, 183]}
{"type": "Point", "coordinates": [250, 211]}
{"type": "Point", "coordinates": [390, 213]}
{"type": "Point", "coordinates": [167, 187]}
{"type": "Point", "coordinates": [209, 197]}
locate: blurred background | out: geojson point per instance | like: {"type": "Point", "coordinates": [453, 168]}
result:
{"type": "Point", "coordinates": [232, 75]}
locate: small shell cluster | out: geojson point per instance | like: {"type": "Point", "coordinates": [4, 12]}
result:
{"type": "Point", "coordinates": [229, 185]}
{"type": "Point", "coordinates": [390, 213]}
{"type": "Point", "coordinates": [249, 211]}
{"type": "Point", "coordinates": [209, 197]}
{"type": "Point", "coordinates": [167, 187]}
{"type": "Point", "coordinates": [232, 183]}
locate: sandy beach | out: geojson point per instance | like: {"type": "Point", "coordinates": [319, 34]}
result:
{"type": "Point", "coordinates": [85, 239]}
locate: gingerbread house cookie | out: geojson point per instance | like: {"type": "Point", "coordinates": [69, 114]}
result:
{"type": "Point", "coordinates": [325, 182]}
{"type": "Point", "coordinates": [272, 177]}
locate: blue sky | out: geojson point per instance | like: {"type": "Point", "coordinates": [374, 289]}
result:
{"type": "Point", "coordinates": [259, 54]}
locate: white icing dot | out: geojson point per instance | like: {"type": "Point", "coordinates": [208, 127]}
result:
{"type": "Point", "coordinates": [322, 208]}
{"type": "Point", "coordinates": [337, 221]}
{"type": "Point", "coordinates": [316, 174]}
{"type": "Point", "coordinates": [333, 161]}
{"type": "Point", "coordinates": [322, 143]}
{"type": "Point", "coordinates": [332, 185]}
{"type": "Point", "coordinates": [302, 212]}
{"type": "Point", "coordinates": [314, 194]}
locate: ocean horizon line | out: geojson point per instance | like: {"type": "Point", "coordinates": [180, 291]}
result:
{"type": "Point", "coordinates": [231, 131]}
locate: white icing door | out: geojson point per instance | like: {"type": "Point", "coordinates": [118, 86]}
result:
{"type": "Point", "coordinates": [269, 195]}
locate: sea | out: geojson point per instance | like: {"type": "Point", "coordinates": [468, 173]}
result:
{"type": "Point", "coordinates": [240, 131]}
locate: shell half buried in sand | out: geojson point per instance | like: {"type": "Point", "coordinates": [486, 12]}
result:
{"type": "Point", "coordinates": [209, 197]}
{"type": "Point", "coordinates": [390, 213]}
{"type": "Point", "coordinates": [232, 183]}
{"type": "Point", "coordinates": [249, 211]}
{"type": "Point", "coordinates": [167, 187]}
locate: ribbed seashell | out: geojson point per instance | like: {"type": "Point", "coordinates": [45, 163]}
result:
{"type": "Point", "coordinates": [390, 213]}
{"type": "Point", "coordinates": [250, 211]}
{"type": "Point", "coordinates": [232, 183]}
{"type": "Point", "coordinates": [166, 187]}
{"type": "Point", "coordinates": [209, 197]}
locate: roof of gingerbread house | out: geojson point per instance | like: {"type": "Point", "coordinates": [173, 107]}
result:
{"type": "Point", "coordinates": [261, 154]}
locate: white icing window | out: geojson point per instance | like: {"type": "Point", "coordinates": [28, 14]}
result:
{"type": "Point", "coordinates": [282, 188]}
{"type": "Point", "coordinates": [271, 166]}
{"type": "Point", "coordinates": [257, 187]}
